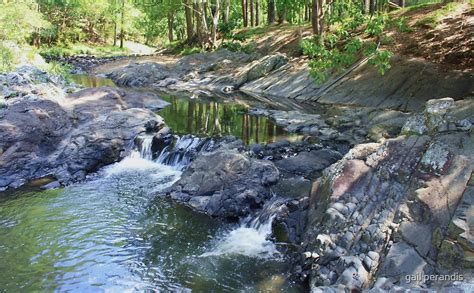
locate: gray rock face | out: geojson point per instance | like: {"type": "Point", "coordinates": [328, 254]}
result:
{"type": "Point", "coordinates": [405, 196]}
{"type": "Point", "coordinates": [71, 137]}
{"type": "Point", "coordinates": [225, 183]}
{"type": "Point", "coordinates": [309, 164]}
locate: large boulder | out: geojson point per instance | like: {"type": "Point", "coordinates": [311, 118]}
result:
{"type": "Point", "coordinates": [70, 137]}
{"type": "Point", "coordinates": [225, 183]}
{"type": "Point", "coordinates": [309, 164]}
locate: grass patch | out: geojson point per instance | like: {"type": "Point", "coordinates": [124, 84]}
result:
{"type": "Point", "coordinates": [433, 18]}
{"type": "Point", "coordinates": [82, 49]}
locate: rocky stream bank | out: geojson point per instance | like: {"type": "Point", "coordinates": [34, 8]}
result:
{"type": "Point", "coordinates": [368, 197]}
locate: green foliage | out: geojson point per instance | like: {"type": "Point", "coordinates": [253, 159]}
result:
{"type": "Point", "coordinates": [238, 47]}
{"type": "Point", "coordinates": [433, 18]}
{"type": "Point", "coordinates": [190, 50]}
{"type": "Point", "coordinates": [59, 69]}
{"type": "Point", "coordinates": [386, 40]}
{"type": "Point", "coordinates": [18, 20]}
{"type": "Point", "coordinates": [376, 25]}
{"type": "Point", "coordinates": [401, 24]}
{"type": "Point", "coordinates": [81, 49]}
{"type": "Point", "coordinates": [6, 58]}
{"type": "Point", "coordinates": [381, 60]}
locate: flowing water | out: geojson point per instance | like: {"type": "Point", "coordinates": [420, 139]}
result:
{"type": "Point", "coordinates": [114, 234]}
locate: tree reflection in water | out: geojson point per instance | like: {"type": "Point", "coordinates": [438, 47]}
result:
{"type": "Point", "coordinates": [217, 117]}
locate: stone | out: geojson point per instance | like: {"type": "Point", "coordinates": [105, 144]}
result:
{"type": "Point", "coordinates": [51, 185]}
{"type": "Point", "coordinates": [308, 163]}
{"type": "Point", "coordinates": [418, 235]}
{"type": "Point", "coordinates": [234, 183]}
{"type": "Point", "coordinates": [68, 137]}
{"type": "Point", "coordinates": [402, 260]}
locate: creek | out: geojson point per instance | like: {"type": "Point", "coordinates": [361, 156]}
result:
{"type": "Point", "coordinates": [115, 232]}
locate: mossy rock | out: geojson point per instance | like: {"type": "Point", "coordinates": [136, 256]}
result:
{"type": "Point", "coordinates": [451, 255]}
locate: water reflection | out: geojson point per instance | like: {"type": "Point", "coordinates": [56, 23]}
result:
{"type": "Point", "coordinates": [216, 117]}
{"type": "Point", "coordinates": [91, 80]}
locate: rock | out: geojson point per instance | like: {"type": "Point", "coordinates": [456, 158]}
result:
{"type": "Point", "coordinates": [451, 254]}
{"type": "Point", "coordinates": [51, 185]}
{"type": "Point", "coordinates": [308, 163]}
{"type": "Point", "coordinates": [417, 235]}
{"type": "Point", "coordinates": [233, 185]}
{"type": "Point", "coordinates": [401, 261]}
{"type": "Point", "coordinates": [69, 137]}
{"type": "Point", "coordinates": [265, 65]}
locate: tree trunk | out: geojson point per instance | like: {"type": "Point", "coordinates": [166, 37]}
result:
{"type": "Point", "coordinates": [282, 14]}
{"type": "Point", "coordinates": [189, 22]}
{"type": "Point", "coordinates": [271, 11]}
{"type": "Point", "coordinates": [252, 18]}
{"type": "Point", "coordinates": [215, 21]}
{"type": "Point", "coordinates": [201, 23]}
{"type": "Point", "coordinates": [115, 33]}
{"type": "Point", "coordinates": [257, 12]}
{"type": "Point", "coordinates": [366, 6]}
{"type": "Point", "coordinates": [226, 11]}
{"type": "Point", "coordinates": [244, 13]}
{"type": "Point", "coordinates": [373, 6]}
{"type": "Point", "coordinates": [317, 19]}
{"type": "Point", "coordinates": [122, 31]}
{"type": "Point", "coordinates": [170, 26]}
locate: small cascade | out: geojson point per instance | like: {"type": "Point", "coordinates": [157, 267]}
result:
{"type": "Point", "coordinates": [252, 237]}
{"type": "Point", "coordinates": [182, 152]}
{"type": "Point", "coordinates": [145, 147]}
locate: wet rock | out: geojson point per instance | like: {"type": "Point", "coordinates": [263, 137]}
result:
{"type": "Point", "coordinates": [231, 186]}
{"type": "Point", "coordinates": [51, 185]}
{"type": "Point", "coordinates": [309, 163]}
{"type": "Point", "coordinates": [69, 137]}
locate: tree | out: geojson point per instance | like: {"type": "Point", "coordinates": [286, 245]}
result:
{"type": "Point", "coordinates": [244, 13]}
{"type": "Point", "coordinates": [215, 22]}
{"type": "Point", "coordinates": [122, 24]}
{"type": "Point", "coordinates": [317, 19]}
{"type": "Point", "coordinates": [271, 11]}
{"type": "Point", "coordinates": [189, 21]}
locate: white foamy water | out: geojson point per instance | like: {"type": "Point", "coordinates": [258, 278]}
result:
{"type": "Point", "coordinates": [250, 239]}
{"type": "Point", "coordinates": [131, 163]}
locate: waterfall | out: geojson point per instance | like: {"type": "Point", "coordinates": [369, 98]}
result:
{"type": "Point", "coordinates": [252, 236]}
{"type": "Point", "coordinates": [145, 147]}
{"type": "Point", "coordinates": [183, 151]}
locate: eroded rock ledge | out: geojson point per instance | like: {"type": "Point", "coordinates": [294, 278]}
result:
{"type": "Point", "coordinates": [395, 209]}
{"type": "Point", "coordinates": [44, 132]}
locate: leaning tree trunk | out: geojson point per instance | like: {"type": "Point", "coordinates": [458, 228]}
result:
{"type": "Point", "coordinates": [271, 11]}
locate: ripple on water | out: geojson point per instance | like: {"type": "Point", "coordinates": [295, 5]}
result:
{"type": "Point", "coordinates": [113, 234]}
